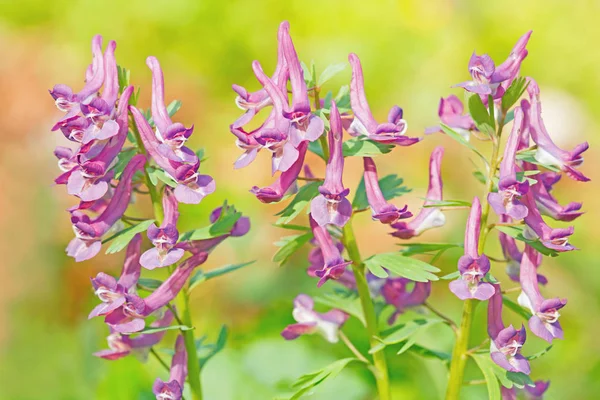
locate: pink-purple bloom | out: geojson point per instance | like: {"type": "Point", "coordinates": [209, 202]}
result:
{"type": "Point", "coordinates": [309, 321]}
{"type": "Point", "coordinates": [390, 132]}
{"type": "Point", "coordinates": [333, 264]}
{"type": "Point", "coordinates": [547, 204]}
{"type": "Point", "coordinates": [428, 217]}
{"type": "Point", "coordinates": [452, 113]}
{"type": "Point", "coordinates": [89, 232]}
{"type": "Point", "coordinates": [164, 238]}
{"type": "Point", "coordinates": [472, 266]}
{"type": "Point", "coordinates": [506, 342]}
{"type": "Point", "coordinates": [173, 389]}
{"type": "Point", "coordinates": [397, 292]}
{"type": "Point", "coordinates": [331, 206]}
{"type": "Point", "coordinates": [548, 152]}
{"type": "Point", "coordinates": [384, 212]}
{"type": "Point", "coordinates": [544, 322]}
{"type": "Point", "coordinates": [535, 392]}
{"type": "Point", "coordinates": [506, 200]}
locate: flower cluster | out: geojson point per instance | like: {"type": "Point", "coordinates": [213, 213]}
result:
{"type": "Point", "coordinates": [103, 172]}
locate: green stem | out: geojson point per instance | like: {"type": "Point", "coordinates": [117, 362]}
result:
{"type": "Point", "coordinates": [358, 267]}
{"type": "Point", "coordinates": [188, 336]}
{"type": "Point", "coordinates": [323, 138]}
{"type": "Point", "coordinates": [460, 350]}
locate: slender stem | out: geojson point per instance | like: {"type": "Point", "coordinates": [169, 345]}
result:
{"type": "Point", "coordinates": [447, 319]}
{"type": "Point", "coordinates": [188, 336]}
{"type": "Point", "coordinates": [358, 267]}
{"type": "Point", "coordinates": [301, 178]}
{"type": "Point", "coordinates": [460, 350]}
{"type": "Point", "coordinates": [159, 359]}
{"type": "Point", "coordinates": [353, 348]}
{"type": "Point", "coordinates": [323, 138]}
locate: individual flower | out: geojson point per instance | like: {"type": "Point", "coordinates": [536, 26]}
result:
{"type": "Point", "coordinates": [331, 206]}
{"type": "Point", "coordinates": [253, 102]}
{"type": "Point", "coordinates": [304, 126]}
{"type": "Point", "coordinates": [451, 113]}
{"type": "Point", "coordinates": [309, 321]}
{"type": "Point", "coordinates": [89, 232]}
{"type": "Point", "coordinates": [333, 264]}
{"type": "Point", "coordinates": [120, 345]}
{"type": "Point", "coordinates": [69, 102]}
{"type": "Point", "coordinates": [396, 292]}
{"type": "Point", "coordinates": [548, 153]}
{"type": "Point", "coordinates": [390, 132]}
{"type": "Point", "coordinates": [506, 342]}
{"type": "Point", "coordinates": [487, 78]}
{"type": "Point", "coordinates": [506, 200]}
{"type": "Point", "coordinates": [553, 238]}
{"type": "Point", "coordinates": [112, 292]}
{"type": "Point", "coordinates": [191, 187]}
{"type": "Point", "coordinates": [316, 262]}
{"type": "Point", "coordinates": [130, 317]}
{"type": "Point", "coordinates": [384, 212]}
{"type": "Point", "coordinates": [535, 392]}
{"type": "Point", "coordinates": [173, 389]}
{"type": "Point", "coordinates": [472, 266]}
{"type": "Point", "coordinates": [547, 204]}
{"type": "Point", "coordinates": [164, 238]}
{"type": "Point", "coordinates": [428, 217]}
{"type": "Point", "coordinates": [544, 322]}
{"type": "Point", "coordinates": [276, 191]}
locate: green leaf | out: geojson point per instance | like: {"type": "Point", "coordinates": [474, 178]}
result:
{"type": "Point", "coordinates": [157, 174]}
{"type": "Point", "coordinates": [377, 270]}
{"type": "Point", "coordinates": [450, 132]}
{"type": "Point", "coordinates": [406, 267]}
{"type": "Point", "coordinates": [330, 72]}
{"type": "Point", "coordinates": [404, 332]}
{"type": "Point", "coordinates": [293, 227]}
{"type": "Point", "coordinates": [529, 156]}
{"type": "Point", "coordinates": [484, 362]}
{"type": "Point", "coordinates": [122, 238]}
{"type": "Point", "coordinates": [539, 353]}
{"type": "Point", "coordinates": [451, 276]}
{"type": "Point", "coordinates": [305, 194]}
{"type": "Point", "coordinates": [516, 307]}
{"type": "Point", "coordinates": [350, 304]}
{"type": "Point", "coordinates": [309, 381]}
{"type": "Point", "coordinates": [480, 115]}
{"type": "Point", "coordinates": [223, 226]}
{"type": "Point", "coordinates": [447, 203]}
{"type": "Point", "coordinates": [200, 276]}
{"type": "Point", "coordinates": [172, 108]}
{"type": "Point", "coordinates": [391, 187]}
{"type": "Point", "coordinates": [514, 92]}
{"type": "Point", "coordinates": [149, 284]}
{"type": "Point", "coordinates": [288, 246]}
{"type": "Point", "coordinates": [167, 328]}
{"type": "Point", "coordinates": [523, 176]}
{"type": "Point", "coordinates": [358, 147]}
{"type": "Point", "coordinates": [517, 233]}
{"type": "Point", "coordinates": [425, 352]}
{"type": "Point", "coordinates": [122, 160]}
{"type": "Point", "coordinates": [425, 248]}
{"type": "Point", "coordinates": [215, 348]}
{"type": "Point", "coordinates": [480, 177]}
{"type": "Point", "coordinates": [123, 76]}
{"type": "Point", "coordinates": [315, 148]}
{"type": "Point", "coordinates": [342, 99]}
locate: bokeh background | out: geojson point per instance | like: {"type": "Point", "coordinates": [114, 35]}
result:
{"type": "Point", "coordinates": [412, 52]}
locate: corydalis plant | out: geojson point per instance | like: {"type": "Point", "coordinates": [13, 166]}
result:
{"type": "Point", "coordinates": [517, 178]}
{"type": "Point", "coordinates": [114, 158]}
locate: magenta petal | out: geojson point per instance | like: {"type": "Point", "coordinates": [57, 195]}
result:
{"type": "Point", "coordinates": [83, 250]}
{"type": "Point", "coordinates": [294, 331]}
{"type": "Point", "coordinates": [105, 308]}
{"type": "Point", "coordinates": [195, 192]}
{"type": "Point", "coordinates": [111, 354]}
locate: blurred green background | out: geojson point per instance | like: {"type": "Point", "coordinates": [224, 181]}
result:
{"type": "Point", "coordinates": [412, 52]}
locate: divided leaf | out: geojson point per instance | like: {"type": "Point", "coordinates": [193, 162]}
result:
{"type": "Point", "coordinates": [223, 226]}
{"type": "Point", "coordinates": [401, 265]}
{"type": "Point", "coordinates": [288, 246]}
{"type": "Point", "coordinates": [405, 332]}
{"type": "Point", "coordinates": [425, 248]}
{"type": "Point", "coordinates": [122, 238]}
{"type": "Point", "coordinates": [330, 72]}
{"type": "Point", "coordinates": [486, 365]}
{"type": "Point", "coordinates": [309, 381]}
{"type": "Point", "coordinates": [485, 123]}
{"type": "Point", "coordinates": [517, 233]}
{"type": "Point", "coordinates": [514, 92]}
{"type": "Point", "coordinates": [305, 194]}
{"type": "Point", "coordinates": [358, 147]}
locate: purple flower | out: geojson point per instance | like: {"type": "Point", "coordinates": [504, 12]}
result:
{"type": "Point", "coordinates": [544, 322]}
{"type": "Point", "coordinates": [395, 292]}
{"type": "Point", "coordinates": [173, 389]}
{"type": "Point", "coordinates": [506, 343]}
{"type": "Point", "coordinates": [112, 292]}
{"type": "Point", "coordinates": [487, 78]}
{"type": "Point", "coordinates": [309, 321]}
{"type": "Point", "coordinates": [276, 191]}
{"type": "Point", "coordinates": [506, 200]}
{"type": "Point", "coordinates": [428, 217]}
{"type": "Point", "coordinates": [165, 237]}
{"type": "Point", "coordinates": [556, 239]}
{"type": "Point", "coordinates": [89, 232]}
{"type": "Point", "coordinates": [334, 265]}
{"type": "Point", "coordinates": [316, 261]}
{"type": "Point", "coordinates": [129, 318]}
{"type": "Point", "coordinates": [390, 132]}
{"type": "Point", "coordinates": [531, 393]}
{"type": "Point", "coordinates": [471, 265]}
{"type": "Point", "coordinates": [384, 212]}
{"type": "Point", "coordinates": [240, 228]}
{"type": "Point", "coordinates": [253, 102]}
{"type": "Point", "coordinates": [332, 206]}
{"type": "Point", "coordinates": [451, 112]}
{"type": "Point", "coordinates": [69, 102]}
{"type": "Point", "coordinates": [122, 345]}
{"type": "Point", "coordinates": [304, 126]}
{"type": "Point", "coordinates": [547, 204]}
{"type": "Point", "coordinates": [547, 151]}
{"type": "Point", "coordinates": [191, 186]}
